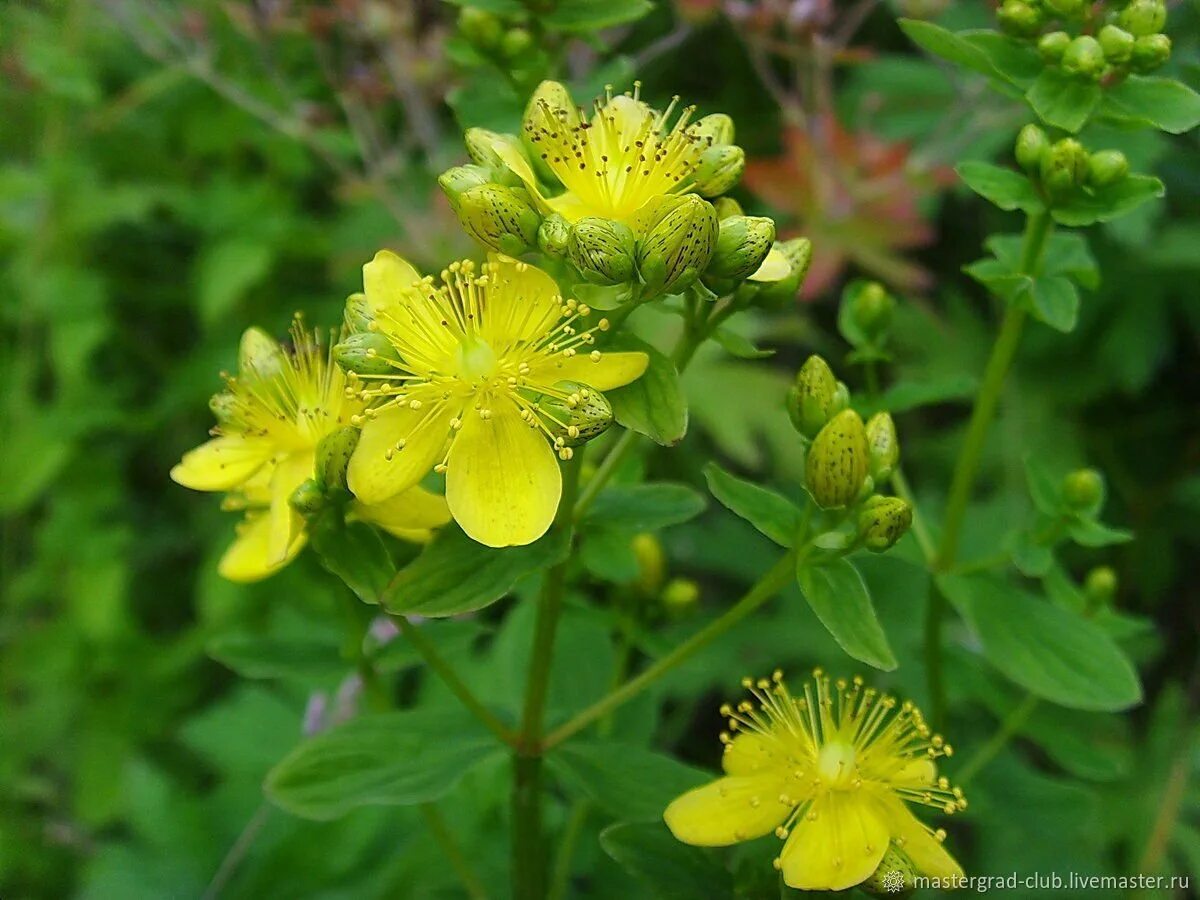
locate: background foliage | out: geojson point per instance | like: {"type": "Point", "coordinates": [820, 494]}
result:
{"type": "Point", "coordinates": [172, 173]}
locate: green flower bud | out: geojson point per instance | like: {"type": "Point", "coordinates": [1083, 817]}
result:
{"type": "Point", "coordinates": [1107, 167]}
{"type": "Point", "coordinates": [1032, 145]}
{"type": "Point", "coordinates": [743, 242]}
{"type": "Point", "coordinates": [479, 27]}
{"type": "Point", "coordinates": [1117, 44]}
{"type": "Point", "coordinates": [837, 461]}
{"type": "Point", "coordinates": [678, 234]}
{"type": "Point", "coordinates": [882, 521]}
{"type": "Point", "coordinates": [1150, 51]}
{"type": "Point", "coordinates": [680, 595]}
{"type": "Point", "coordinates": [895, 876]}
{"type": "Point", "coordinates": [602, 250]}
{"type": "Point", "coordinates": [1064, 167]}
{"type": "Point", "coordinates": [333, 456]}
{"type": "Point", "coordinates": [726, 207]}
{"type": "Point", "coordinates": [1053, 45]}
{"type": "Point", "coordinates": [481, 147]}
{"type": "Point", "coordinates": [871, 309]}
{"type": "Point", "coordinates": [1067, 9]}
{"type": "Point", "coordinates": [774, 294]}
{"type": "Point", "coordinates": [366, 353]}
{"type": "Point", "coordinates": [308, 499]}
{"type": "Point", "coordinates": [357, 314]}
{"type": "Point", "coordinates": [883, 446]}
{"type": "Point", "coordinates": [553, 235]}
{"type": "Point", "coordinates": [1019, 18]}
{"type": "Point", "coordinates": [1100, 587]}
{"type": "Point", "coordinates": [1083, 491]}
{"type": "Point", "coordinates": [715, 129]}
{"type": "Point", "coordinates": [260, 356]}
{"type": "Point", "coordinates": [460, 179]}
{"type": "Point", "coordinates": [1143, 17]}
{"type": "Point", "coordinates": [651, 563]}
{"type": "Point", "coordinates": [499, 218]}
{"type": "Point", "coordinates": [576, 418]}
{"type": "Point", "coordinates": [515, 43]}
{"type": "Point", "coordinates": [719, 170]}
{"type": "Point", "coordinates": [1084, 57]}
{"type": "Point", "coordinates": [810, 400]}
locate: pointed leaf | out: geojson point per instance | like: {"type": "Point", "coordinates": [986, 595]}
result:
{"type": "Point", "coordinates": [838, 595]}
{"type": "Point", "coordinates": [772, 514]}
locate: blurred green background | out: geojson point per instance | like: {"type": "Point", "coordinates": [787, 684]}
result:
{"type": "Point", "coordinates": [171, 173]}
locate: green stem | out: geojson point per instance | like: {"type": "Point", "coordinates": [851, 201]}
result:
{"type": "Point", "coordinates": [1008, 728]}
{"type": "Point", "coordinates": [763, 590]}
{"type": "Point", "coordinates": [529, 870]}
{"type": "Point", "coordinates": [611, 462]}
{"type": "Point", "coordinates": [454, 853]}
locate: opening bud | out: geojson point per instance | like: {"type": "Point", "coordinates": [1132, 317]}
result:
{"type": "Point", "coordinates": [1117, 44]}
{"type": "Point", "coordinates": [1143, 17]}
{"type": "Point", "coordinates": [481, 147]}
{"type": "Point", "coordinates": [575, 414]}
{"type": "Point", "coordinates": [308, 499]}
{"type": "Point", "coordinates": [1100, 587]}
{"type": "Point", "coordinates": [895, 876]}
{"type": "Point", "coordinates": [680, 595]}
{"type": "Point", "coordinates": [366, 353]}
{"type": "Point", "coordinates": [1053, 45]}
{"type": "Point", "coordinates": [602, 250]}
{"type": "Point", "coordinates": [1107, 167]}
{"type": "Point", "coordinates": [1083, 491]}
{"type": "Point", "coordinates": [719, 170]}
{"type": "Point", "coordinates": [882, 521]}
{"type": "Point", "coordinates": [651, 563]}
{"type": "Point", "coordinates": [837, 460]}
{"type": "Point", "coordinates": [726, 207]}
{"type": "Point", "coordinates": [810, 401]}
{"type": "Point", "coordinates": [1019, 18]}
{"type": "Point", "coordinates": [260, 356]}
{"type": "Point", "coordinates": [498, 217]}
{"type": "Point", "coordinates": [1032, 145]}
{"type": "Point", "coordinates": [458, 180]}
{"type": "Point", "coordinates": [883, 445]}
{"type": "Point", "coordinates": [871, 310]}
{"type": "Point", "coordinates": [553, 235]}
{"type": "Point", "coordinates": [678, 234]}
{"type": "Point", "coordinates": [715, 129]}
{"type": "Point", "coordinates": [358, 315]}
{"type": "Point", "coordinates": [797, 252]}
{"type": "Point", "coordinates": [333, 456]}
{"type": "Point", "coordinates": [1150, 52]}
{"type": "Point", "coordinates": [1064, 167]}
{"type": "Point", "coordinates": [743, 242]}
{"type": "Point", "coordinates": [1084, 58]}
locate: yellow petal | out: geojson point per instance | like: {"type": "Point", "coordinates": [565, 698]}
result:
{"type": "Point", "coordinates": [286, 523]}
{"type": "Point", "coordinates": [729, 810]}
{"type": "Point", "coordinates": [503, 483]}
{"type": "Point", "coordinates": [611, 370]}
{"type": "Point", "coordinates": [515, 160]}
{"type": "Point", "coordinates": [750, 753]}
{"type": "Point", "coordinates": [410, 512]}
{"type": "Point", "coordinates": [917, 841]}
{"type": "Point", "coordinates": [248, 557]}
{"type": "Point", "coordinates": [387, 282]}
{"type": "Point", "coordinates": [571, 207]}
{"type": "Point", "coordinates": [372, 476]}
{"type": "Point", "coordinates": [838, 849]}
{"type": "Point", "coordinates": [525, 302]}
{"type": "Point", "coordinates": [774, 268]}
{"type": "Point", "coordinates": [221, 464]}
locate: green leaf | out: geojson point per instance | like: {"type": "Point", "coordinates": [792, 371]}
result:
{"type": "Point", "coordinates": [626, 781]}
{"type": "Point", "coordinates": [296, 659]}
{"type": "Point", "coordinates": [655, 404]}
{"type": "Point", "coordinates": [353, 552]}
{"type": "Point", "coordinates": [1164, 103]}
{"type": "Point", "coordinates": [1062, 100]}
{"type": "Point", "coordinates": [1106, 204]}
{"type": "Point", "coordinates": [772, 514]}
{"type": "Point", "coordinates": [738, 345]}
{"type": "Point", "coordinates": [908, 395]}
{"type": "Point", "coordinates": [601, 296]}
{"type": "Point", "coordinates": [1044, 488]}
{"type": "Point", "coordinates": [838, 595]}
{"type": "Point", "coordinates": [593, 15]}
{"type": "Point", "coordinates": [644, 507]}
{"type": "Point", "coordinates": [1088, 532]}
{"type": "Point", "coordinates": [1049, 650]}
{"type": "Point", "coordinates": [1012, 60]}
{"type": "Point", "coordinates": [671, 869]}
{"type": "Point", "coordinates": [226, 272]}
{"type": "Point", "coordinates": [1055, 301]}
{"type": "Point", "coordinates": [608, 554]}
{"type": "Point", "coordinates": [454, 574]}
{"type": "Point", "coordinates": [390, 759]}
{"type": "Point", "coordinates": [946, 44]}
{"type": "Point", "coordinates": [1006, 188]}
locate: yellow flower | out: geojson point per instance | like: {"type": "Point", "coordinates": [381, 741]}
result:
{"type": "Point", "coordinates": [486, 362]}
{"type": "Point", "coordinates": [271, 418]}
{"type": "Point", "coordinates": [829, 772]}
{"type": "Point", "coordinates": [613, 163]}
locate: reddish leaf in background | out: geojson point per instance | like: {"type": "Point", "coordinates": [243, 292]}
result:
{"type": "Point", "coordinates": [854, 196]}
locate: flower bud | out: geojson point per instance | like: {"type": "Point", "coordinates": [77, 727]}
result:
{"type": "Point", "coordinates": [481, 147]}
{"type": "Point", "coordinates": [651, 563]}
{"type": "Point", "coordinates": [479, 27]}
{"type": "Point", "coordinates": [459, 179]}
{"type": "Point", "coordinates": [1143, 17]}
{"type": "Point", "coordinates": [1053, 45]}
{"type": "Point", "coordinates": [366, 353]}
{"type": "Point", "coordinates": [1083, 490]}
{"type": "Point", "coordinates": [260, 356]}
{"type": "Point", "coordinates": [719, 170]}
{"type": "Point", "coordinates": [1064, 167]}
{"type": "Point", "coordinates": [871, 309]}
{"type": "Point", "coordinates": [308, 499]}
{"type": "Point", "coordinates": [357, 314]}
{"type": "Point", "coordinates": [837, 461]}
{"type": "Point", "coordinates": [333, 456]}
{"type": "Point", "coordinates": [798, 253]}
{"type": "Point", "coordinates": [553, 235]}
{"type": "Point", "coordinates": [895, 876]}
{"type": "Point", "coordinates": [1084, 57]}
{"type": "Point", "coordinates": [677, 238]}
{"type": "Point", "coordinates": [1150, 52]}
{"type": "Point", "coordinates": [499, 218]}
{"type": "Point", "coordinates": [726, 207]}
{"type": "Point", "coordinates": [1117, 44]}
{"type": "Point", "coordinates": [743, 242]}
{"type": "Point", "coordinates": [882, 521]}
{"type": "Point", "coordinates": [1065, 8]}
{"type": "Point", "coordinates": [1100, 587]}
{"type": "Point", "coordinates": [575, 415]}
{"type": "Point", "coordinates": [516, 41]}
{"type": "Point", "coordinates": [680, 595]}
{"type": "Point", "coordinates": [883, 446]}
{"type": "Point", "coordinates": [1107, 167]}
{"type": "Point", "coordinates": [718, 127]}
{"type": "Point", "coordinates": [1019, 18]}
{"type": "Point", "coordinates": [602, 250]}
{"type": "Point", "coordinates": [1032, 145]}
{"type": "Point", "coordinates": [810, 400]}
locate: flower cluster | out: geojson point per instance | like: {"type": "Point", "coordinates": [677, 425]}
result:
{"type": "Point", "coordinates": [1118, 40]}
{"type": "Point", "coordinates": [1065, 167]}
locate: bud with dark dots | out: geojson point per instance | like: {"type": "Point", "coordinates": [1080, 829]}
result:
{"type": "Point", "coordinates": [895, 876]}
{"type": "Point", "coordinates": [554, 235]}
{"type": "Point", "coordinates": [458, 180]}
{"type": "Point", "coordinates": [308, 499]}
{"type": "Point", "coordinates": [743, 242]}
{"type": "Point", "coordinates": [871, 309]}
{"type": "Point", "coordinates": [1053, 45]}
{"type": "Point", "coordinates": [602, 250]}
{"type": "Point", "coordinates": [1032, 145]}
{"type": "Point", "coordinates": [367, 353]}
{"type": "Point", "coordinates": [498, 217]}
{"type": "Point", "coordinates": [811, 399]}
{"type": "Point", "coordinates": [1117, 44]}
{"type": "Point", "coordinates": [726, 207]}
{"type": "Point", "coordinates": [883, 445]}
{"type": "Point", "coordinates": [1100, 587]}
{"type": "Point", "coordinates": [1083, 491]}
{"type": "Point", "coordinates": [481, 147]}
{"type": "Point", "coordinates": [837, 461]}
{"type": "Point", "coordinates": [798, 253]}
{"type": "Point", "coordinates": [1150, 52]}
{"type": "Point", "coordinates": [678, 234]}
{"type": "Point", "coordinates": [1064, 167]}
{"type": "Point", "coordinates": [1107, 167]}
{"type": "Point", "coordinates": [1143, 17]}
{"type": "Point", "coordinates": [358, 314]}
{"type": "Point", "coordinates": [1084, 58]}
{"type": "Point", "coordinates": [333, 456]}
{"type": "Point", "coordinates": [719, 169]}
{"type": "Point", "coordinates": [882, 521]}
{"type": "Point", "coordinates": [1019, 18]}
{"type": "Point", "coordinates": [715, 129]}
{"type": "Point", "coordinates": [259, 356]}
{"type": "Point", "coordinates": [575, 414]}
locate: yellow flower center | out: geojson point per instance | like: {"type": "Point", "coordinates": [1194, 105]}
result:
{"type": "Point", "coordinates": [835, 765]}
{"type": "Point", "coordinates": [476, 360]}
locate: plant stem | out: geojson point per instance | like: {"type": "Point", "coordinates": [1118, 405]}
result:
{"type": "Point", "coordinates": [446, 672]}
{"type": "Point", "coordinates": [764, 589]}
{"type": "Point", "coordinates": [529, 868]}
{"type": "Point", "coordinates": [1008, 728]}
{"type": "Point", "coordinates": [612, 460]}
{"type": "Point", "coordinates": [237, 852]}
{"type": "Point", "coordinates": [1037, 229]}
{"type": "Point", "coordinates": [458, 860]}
